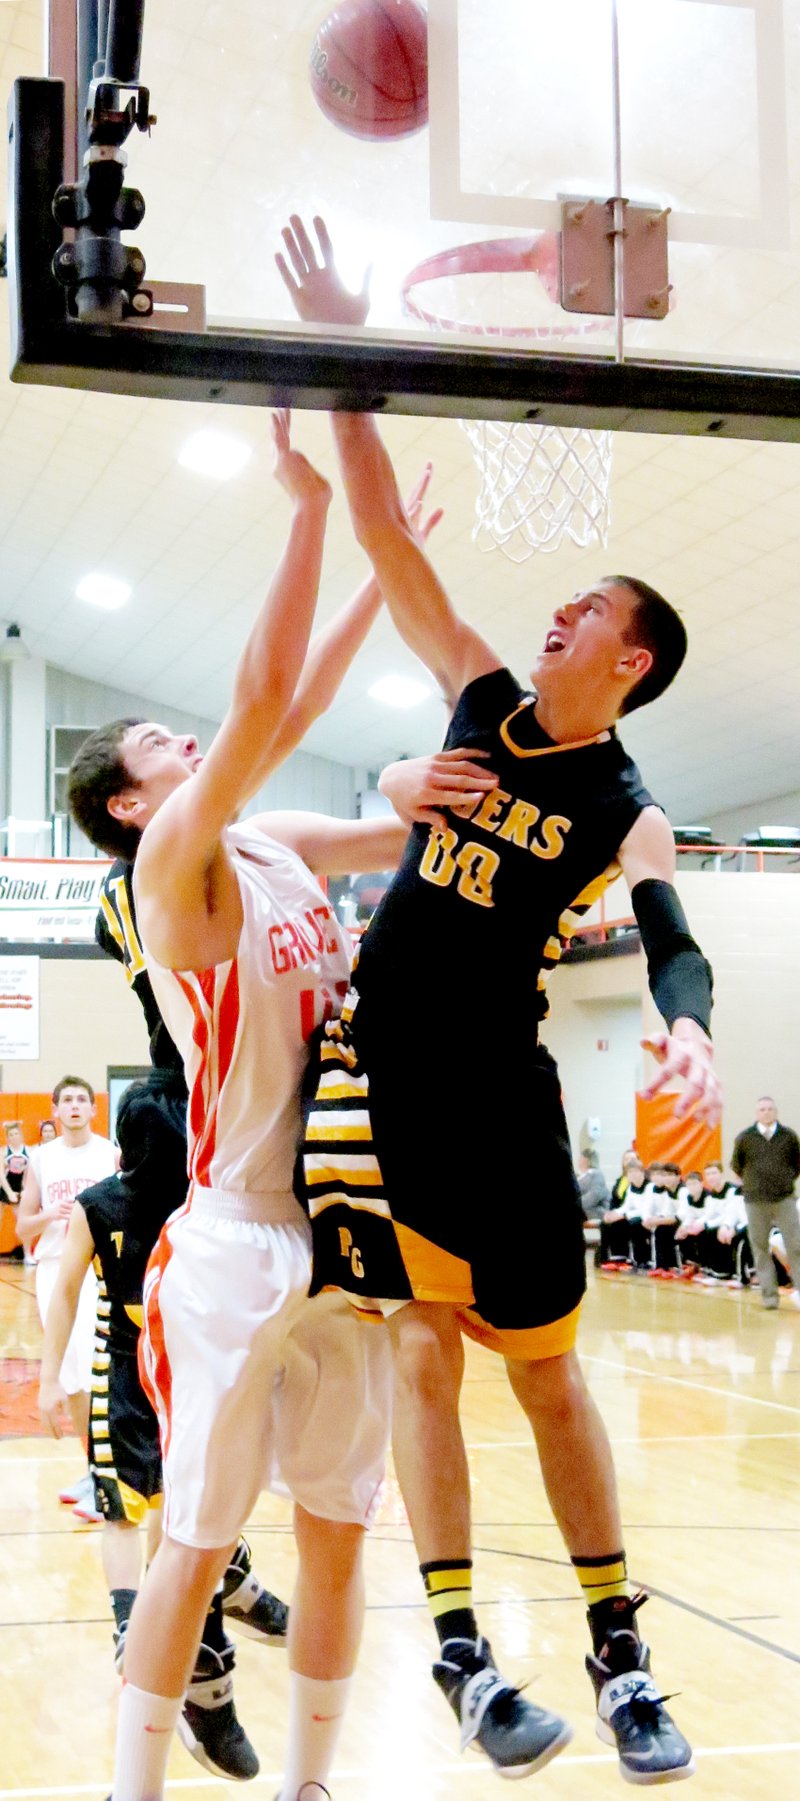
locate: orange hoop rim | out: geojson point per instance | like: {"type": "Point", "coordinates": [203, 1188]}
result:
{"type": "Point", "coordinates": [494, 256]}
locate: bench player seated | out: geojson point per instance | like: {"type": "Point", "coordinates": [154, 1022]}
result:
{"type": "Point", "coordinates": [615, 1251]}
{"type": "Point", "coordinates": [481, 1230]}
{"type": "Point", "coordinates": [653, 1240]}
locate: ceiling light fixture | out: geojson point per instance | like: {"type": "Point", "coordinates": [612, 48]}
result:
{"type": "Point", "coordinates": [215, 454]}
{"type": "Point", "coordinates": [399, 691]}
{"type": "Point", "coordinates": [103, 591]}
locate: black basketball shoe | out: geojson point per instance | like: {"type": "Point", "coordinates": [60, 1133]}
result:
{"type": "Point", "coordinates": [630, 1710]}
{"type": "Point", "coordinates": [250, 1607]}
{"type": "Point", "coordinates": [208, 1725]}
{"type": "Point", "coordinates": [517, 1737]}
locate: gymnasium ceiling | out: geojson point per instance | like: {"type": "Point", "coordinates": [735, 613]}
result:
{"type": "Point", "coordinates": [93, 482]}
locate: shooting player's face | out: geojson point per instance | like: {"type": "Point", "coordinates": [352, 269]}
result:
{"type": "Point", "coordinates": [158, 761]}
{"type": "Point", "coordinates": [587, 648]}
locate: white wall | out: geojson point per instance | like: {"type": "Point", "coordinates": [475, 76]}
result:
{"type": "Point", "coordinates": [594, 1003]}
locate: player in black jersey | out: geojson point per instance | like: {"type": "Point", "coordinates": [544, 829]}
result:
{"type": "Point", "coordinates": [437, 1162]}
{"type": "Point", "coordinates": [114, 1226]}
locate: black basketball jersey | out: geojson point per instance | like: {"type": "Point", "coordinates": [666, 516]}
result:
{"type": "Point", "coordinates": [475, 918]}
{"type": "Point", "coordinates": [117, 934]}
{"type": "Point", "coordinates": [126, 1212]}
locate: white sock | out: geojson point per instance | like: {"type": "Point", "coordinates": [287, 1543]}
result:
{"type": "Point", "coordinates": [316, 1711]}
{"type": "Point", "coordinates": [145, 1724]}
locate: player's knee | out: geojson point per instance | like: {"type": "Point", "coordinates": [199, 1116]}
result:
{"type": "Point", "coordinates": [429, 1363]}
{"type": "Point", "coordinates": [335, 1547]}
{"type": "Point", "coordinates": [191, 1566]}
{"type": "Point", "coordinates": [551, 1386]}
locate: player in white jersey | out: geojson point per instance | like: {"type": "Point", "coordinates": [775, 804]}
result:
{"type": "Point", "coordinates": [252, 1381]}
{"type": "Point", "coordinates": [57, 1172]}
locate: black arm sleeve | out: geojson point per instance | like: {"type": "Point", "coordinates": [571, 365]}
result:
{"type": "Point", "coordinates": [681, 981]}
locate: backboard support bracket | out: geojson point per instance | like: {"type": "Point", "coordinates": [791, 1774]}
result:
{"type": "Point", "coordinates": [587, 276]}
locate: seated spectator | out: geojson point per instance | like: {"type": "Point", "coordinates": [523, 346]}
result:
{"type": "Point", "coordinates": [728, 1255]}
{"type": "Point", "coordinates": [595, 1198]}
{"type": "Point", "coordinates": [614, 1250]}
{"type": "Point", "coordinates": [717, 1192]}
{"type": "Point", "coordinates": [13, 1164]}
{"type": "Point", "coordinates": [618, 1190]}
{"type": "Point", "coordinates": [653, 1239]}
{"type": "Point", "coordinates": [690, 1207]}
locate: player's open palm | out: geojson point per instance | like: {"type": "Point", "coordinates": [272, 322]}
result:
{"type": "Point", "coordinates": [690, 1062]}
{"type": "Point", "coordinates": [302, 482]}
{"type": "Point", "coordinates": [313, 283]}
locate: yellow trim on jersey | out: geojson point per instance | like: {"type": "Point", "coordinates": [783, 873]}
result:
{"type": "Point", "coordinates": [544, 750]}
{"type": "Point", "coordinates": [356, 1202]}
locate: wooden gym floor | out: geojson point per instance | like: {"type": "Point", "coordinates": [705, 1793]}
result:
{"type": "Point", "coordinates": [701, 1394]}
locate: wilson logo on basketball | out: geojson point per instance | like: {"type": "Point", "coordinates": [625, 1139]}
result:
{"type": "Point", "coordinates": [318, 63]}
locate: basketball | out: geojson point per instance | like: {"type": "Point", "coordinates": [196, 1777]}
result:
{"type": "Point", "coordinates": [369, 68]}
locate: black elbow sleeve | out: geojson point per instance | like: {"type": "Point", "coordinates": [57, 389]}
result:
{"type": "Point", "coordinates": [680, 978]}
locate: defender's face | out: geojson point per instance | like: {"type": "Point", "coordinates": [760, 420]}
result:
{"type": "Point", "coordinates": [766, 1113]}
{"type": "Point", "coordinates": [74, 1108]}
{"type": "Point", "coordinates": [586, 643]}
{"type": "Point", "coordinates": [158, 761]}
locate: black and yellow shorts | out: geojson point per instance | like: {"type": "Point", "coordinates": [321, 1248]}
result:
{"type": "Point", "coordinates": [124, 1447]}
{"type": "Point", "coordinates": [434, 1184]}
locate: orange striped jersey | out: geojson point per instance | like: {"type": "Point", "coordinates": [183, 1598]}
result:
{"type": "Point", "coordinates": [243, 1026]}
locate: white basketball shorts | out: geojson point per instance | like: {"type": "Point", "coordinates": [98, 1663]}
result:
{"type": "Point", "coordinates": [256, 1386]}
{"type": "Point", "coordinates": [76, 1369]}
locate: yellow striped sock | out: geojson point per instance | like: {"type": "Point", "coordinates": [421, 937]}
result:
{"type": "Point", "coordinates": [448, 1586]}
{"type": "Point", "coordinates": [602, 1578]}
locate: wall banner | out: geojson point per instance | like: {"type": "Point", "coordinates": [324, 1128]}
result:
{"type": "Point", "coordinates": [45, 899]}
{"type": "Point", "coordinates": [19, 1009]}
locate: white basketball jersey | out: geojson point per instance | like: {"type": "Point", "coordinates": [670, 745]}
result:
{"type": "Point", "coordinates": [63, 1170]}
{"type": "Point", "coordinates": [242, 1027]}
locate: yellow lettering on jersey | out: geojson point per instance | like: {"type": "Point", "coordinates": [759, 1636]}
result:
{"type": "Point", "coordinates": [116, 1240]}
{"type": "Point", "coordinates": [135, 1312]}
{"type": "Point", "coordinates": [479, 866]}
{"type": "Point", "coordinates": [554, 830]}
{"type": "Point", "coordinates": [437, 863]}
{"type": "Point", "coordinates": [350, 1251]}
{"type": "Point", "coordinates": [491, 806]}
{"type": "Point", "coordinates": [520, 821]}
{"type": "Point", "coordinates": [135, 963]}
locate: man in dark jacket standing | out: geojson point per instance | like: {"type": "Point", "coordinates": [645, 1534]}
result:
{"type": "Point", "coordinates": [767, 1159]}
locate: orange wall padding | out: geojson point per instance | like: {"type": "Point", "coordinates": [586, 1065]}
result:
{"type": "Point", "coordinates": [30, 1109]}
{"type": "Point", "coordinates": [660, 1136]}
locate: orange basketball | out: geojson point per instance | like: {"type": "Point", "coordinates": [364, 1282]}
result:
{"type": "Point", "coordinates": [369, 68]}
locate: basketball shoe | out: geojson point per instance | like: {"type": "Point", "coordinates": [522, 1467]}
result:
{"type": "Point", "coordinates": [250, 1607]}
{"type": "Point", "coordinates": [208, 1725]}
{"type": "Point", "coordinates": [630, 1711]}
{"type": "Point", "coordinates": [517, 1737]}
{"type": "Point", "coordinates": [85, 1505]}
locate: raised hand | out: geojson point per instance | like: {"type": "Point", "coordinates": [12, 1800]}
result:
{"type": "Point", "coordinates": [302, 482]}
{"type": "Point", "coordinates": [316, 289]}
{"type": "Point", "coordinates": [422, 528]}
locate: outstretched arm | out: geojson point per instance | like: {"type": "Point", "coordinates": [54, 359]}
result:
{"type": "Point", "coordinates": [420, 607]}
{"type": "Point", "coordinates": [679, 976]}
{"type": "Point", "coordinates": [187, 897]}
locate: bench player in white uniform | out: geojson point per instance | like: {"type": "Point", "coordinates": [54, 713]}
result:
{"type": "Point", "coordinates": [251, 1380]}
{"type": "Point", "coordinates": [56, 1174]}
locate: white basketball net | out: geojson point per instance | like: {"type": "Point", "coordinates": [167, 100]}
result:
{"type": "Point", "coordinates": [540, 484]}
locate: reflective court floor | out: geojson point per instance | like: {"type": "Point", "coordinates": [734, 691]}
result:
{"type": "Point", "coordinates": [701, 1394]}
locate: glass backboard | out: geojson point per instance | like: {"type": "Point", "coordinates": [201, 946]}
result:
{"type": "Point", "coordinates": [484, 265]}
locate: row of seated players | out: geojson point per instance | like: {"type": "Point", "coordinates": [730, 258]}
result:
{"type": "Point", "coordinates": [666, 1224]}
